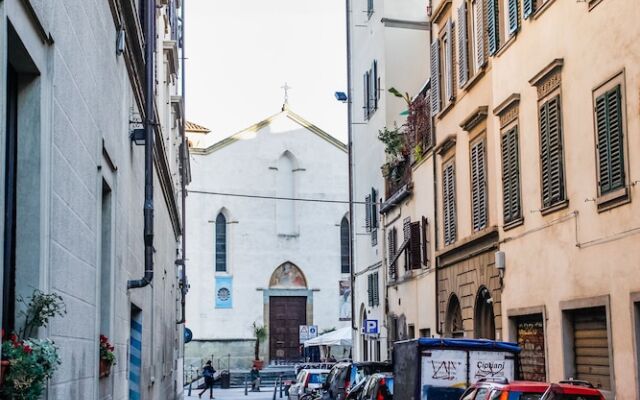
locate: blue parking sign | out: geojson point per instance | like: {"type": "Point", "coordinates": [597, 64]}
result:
{"type": "Point", "coordinates": [371, 326]}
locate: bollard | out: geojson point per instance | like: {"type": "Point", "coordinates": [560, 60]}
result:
{"type": "Point", "coordinates": [275, 389]}
{"type": "Point", "coordinates": [245, 386]}
{"type": "Point", "coordinates": [190, 383]}
{"type": "Point", "coordinates": [281, 386]}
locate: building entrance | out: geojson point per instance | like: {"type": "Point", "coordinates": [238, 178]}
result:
{"type": "Point", "coordinates": [286, 314]}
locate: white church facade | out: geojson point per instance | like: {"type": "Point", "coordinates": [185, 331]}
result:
{"type": "Point", "coordinates": [267, 222]}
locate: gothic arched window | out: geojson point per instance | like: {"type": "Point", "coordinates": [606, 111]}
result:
{"type": "Point", "coordinates": [221, 243]}
{"type": "Point", "coordinates": [344, 246]}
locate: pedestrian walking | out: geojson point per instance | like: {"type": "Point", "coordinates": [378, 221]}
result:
{"type": "Point", "coordinates": [208, 374]}
{"type": "Point", "coordinates": [255, 379]}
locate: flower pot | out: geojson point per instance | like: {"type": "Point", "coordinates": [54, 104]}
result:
{"type": "Point", "coordinates": [105, 368]}
{"type": "Point", "coordinates": [258, 364]}
{"type": "Point", "coordinates": [4, 367]}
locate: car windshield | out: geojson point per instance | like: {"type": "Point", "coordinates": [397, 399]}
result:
{"type": "Point", "coordinates": [359, 372]}
{"type": "Point", "coordinates": [318, 378]}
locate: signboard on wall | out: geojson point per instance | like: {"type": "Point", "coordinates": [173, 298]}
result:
{"type": "Point", "coordinates": [224, 287]}
{"type": "Point", "coordinates": [307, 332]}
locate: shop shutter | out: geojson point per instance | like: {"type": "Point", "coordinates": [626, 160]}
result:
{"type": "Point", "coordinates": [414, 246]}
{"type": "Point", "coordinates": [449, 60]}
{"type": "Point", "coordinates": [493, 30]}
{"type": "Point", "coordinates": [591, 346]}
{"type": "Point", "coordinates": [551, 153]}
{"type": "Point", "coordinates": [513, 17]}
{"type": "Point", "coordinates": [463, 45]}
{"type": "Point", "coordinates": [480, 33]}
{"type": "Point", "coordinates": [528, 7]}
{"type": "Point", "coordinates": [610, 141]}
{"type": "Point", "coordinates": [435, 77]}
{"type": "Point", "coordinates": [478, 186]}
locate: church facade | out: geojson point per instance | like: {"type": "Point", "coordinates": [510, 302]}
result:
{"type": "Point", "coordinates": [267, 221]}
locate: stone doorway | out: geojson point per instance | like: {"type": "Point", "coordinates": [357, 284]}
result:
{"type": "Point", "coordinates": [286, 314]}
{"type": "Point", "coordinates": [485, 323]}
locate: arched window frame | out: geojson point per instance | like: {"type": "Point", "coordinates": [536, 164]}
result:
{"type": "Point", "coordinates": [221, 241]}
{"type": "Point", "coordinates": [345, 265]}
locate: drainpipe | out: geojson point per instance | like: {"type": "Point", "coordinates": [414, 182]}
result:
{"type": "Point", "coordinates": [184, 161]}
{"type": "Point", "coordinates": [435, 222]}
{"type": "Point", "coordinates": [149, 126]}
{"type": "Point", "coordinates": [354, 326]}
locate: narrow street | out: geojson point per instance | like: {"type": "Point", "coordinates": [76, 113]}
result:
{"type": "Point", "coordinates": [236, 394]}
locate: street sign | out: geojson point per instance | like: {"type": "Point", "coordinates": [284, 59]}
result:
{"type": "Point", "coordinates": [371, 326]}
{"type": "Point", "coordinates": [188, 335]}
{"type": "Point", "coordinates": [308, 332]}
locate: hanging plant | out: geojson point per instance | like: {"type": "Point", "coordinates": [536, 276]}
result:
{"type": "Point", "coordinates": [107, 356]}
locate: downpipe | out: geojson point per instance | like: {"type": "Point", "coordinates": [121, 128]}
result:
{"type": "Point", "coordinates": [149, 127]}
{"type": "Point", "coordinates": [184, 161]}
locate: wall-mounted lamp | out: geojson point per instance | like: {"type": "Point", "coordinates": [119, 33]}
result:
{"type": "Point", "coordinates": [120, 42]}
{"type": "Point", "coordinates": [500, 263]}
{"type": "Point", "coordinates": [138, 136]}
{"type": "Point", "coordinates": [341, 96]}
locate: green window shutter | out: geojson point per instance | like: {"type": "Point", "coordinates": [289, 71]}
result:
{"type": "Point", "coordinates": [608, 110]}
{"type": "Point", "coordinates": [449, 60]}
{"type": "Point", "coordinates": [365, 95]}
{"type": "Point", "coordinates": [480, 34]}
{"type": "Point", "coordinates": [435, 77]}
{"type": "Point", "coordinates": [551, 153]}
{"type": "Point", "coordinates": [528, 7]}
{"type": "Point", "coordinates": [463, 43]}
{"type": "Point", "coordinates": [493, 30]}
{"type": "Point", "coordinates": [510, 176]}
{"type": "Point", "coordinates": [478, 187]}
{"type": "Point", "coordinates": [449, 211]}
{"type": "Point", "coordinates": [367, 212]}
{"type": "Point", "coordinates": [376, 86]}
{"type": "Point", "coordinates": [425, 242]}
{"type": "Point", "coordinates": [513, 17]}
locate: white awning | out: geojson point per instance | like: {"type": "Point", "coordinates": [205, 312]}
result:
{"type": "Point", "coordinates": [339, 337]}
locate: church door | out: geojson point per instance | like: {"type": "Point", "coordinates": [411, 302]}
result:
{"type": "Point", "coordinates": [286, 314]}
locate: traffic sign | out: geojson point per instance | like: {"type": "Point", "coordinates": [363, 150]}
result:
{"type": "Point", "coordinates": [308, 332]}
{"type": "Point", "coordinates": [371, 327]}
{"type": "Point", "coordinates": [188, 335]}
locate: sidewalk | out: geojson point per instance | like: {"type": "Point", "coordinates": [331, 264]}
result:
{"type": "Point", "coordinates": [236, 394]}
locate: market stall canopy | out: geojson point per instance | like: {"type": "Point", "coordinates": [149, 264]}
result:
{"type": "Point", "coordinates": [339, 337]}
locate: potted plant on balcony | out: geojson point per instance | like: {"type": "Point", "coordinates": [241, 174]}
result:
{"type": "Point", "coordinates": [107, 356]}
{"type": "Point", "coordinates": [29, 362]}
{"type": "Point", "coordinates": [260, 333]}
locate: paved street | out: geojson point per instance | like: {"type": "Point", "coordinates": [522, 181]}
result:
{"type": "Point", "coordinates": [235, 394]}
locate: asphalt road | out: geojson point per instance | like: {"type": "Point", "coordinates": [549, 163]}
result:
{"type": "Point", "coordinates": [235, 394]}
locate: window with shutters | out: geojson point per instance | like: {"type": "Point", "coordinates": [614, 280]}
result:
{"type": "Point", "coordinates": [371, 90]}
{"type": "Point", "coordinates": [426, 243]}
{"type": "Point", "coordinates": [511, 201]}
{"type": "Point", "coordinates": [414, 250]}
{"type": "Point", "coordinates": [479, 192]}
{"type": "Point", "coordinates": [445, 70]}
{"type": "Point", "coordinates": [345, 267]}
{"type": "Point", "coordinates": [373, 219]}
{"type": "Point", "coordinates": [551, 152]}
{"type": "Point", "coordinates": [373, 290]}
{"type": "Point", "coordinates": [512, 17]}
{"type": "Point", "coordinates": [471, 40]}
{"type": "Point", "coordinates": [392, 243]}
{"type": "Point", "coordinates": [608, 103]}
{"type": "Point", "coordinates": [497, 24]}
{"type": "Point", "coordinates": [221, 243]}
{"type": "Point", "coordinates": [449, 202]}
{"type": "Point", "coordinates": [367, 213]}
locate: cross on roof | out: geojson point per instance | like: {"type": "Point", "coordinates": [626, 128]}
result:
{"type": "Point", "coordinates": [286, 89]}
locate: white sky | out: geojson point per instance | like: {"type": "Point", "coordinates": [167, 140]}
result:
{"type": "Point", "coordinates": [240, 52]}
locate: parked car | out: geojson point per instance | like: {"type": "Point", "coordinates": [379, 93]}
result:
{"type": "Point", "coordinates": [307, 380]}
{"type": "Point", "coordinates": [502, 389]}
{"type": "Point", "coordinates": [376, 387]}
{"type": "Point", "coordinates": [314, 365]}
{"type": "Point", "coordinates": [345, 375]}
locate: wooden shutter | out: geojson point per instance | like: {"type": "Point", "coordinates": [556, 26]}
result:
{"type": "Point", "coordinates": [374, 208]}
{"type": "Point", "coordinates": [414, 245]}
{"type": "Point", "coordinates": [449, 60]}
{"type": "Point", "coordinates": [365, 95]}
{"type": "Point", "coordinates": [591, 346]}
{"type": "Point", "coordinates": [367, 202]}
{"type": "Point", "coordinates": [510, 176]}
{"type": "Point", "coordinates": [449, 195]}
{"type": "Point", "coordinates": [372, 89]}
{"type": "Point", "coordinates": [493, 29]}
{"type": "Point", "coordinates": [513, 17]}
{"type": "Point", "coordinates": [425, 242]}
{"type": "Point", "coordinates": [369, 290]}
{"type": "Point", "coordinates": [376, 289]}
{"type": "Point", "coordinates": [478, 186]}
{"type": "Point", "coordinates": [480, 34]}
{"type": "Point", "coordinates": [392, 243]}
{"type": "Point", "coordinates": [463, 43]}
{"type": "Point", "coordinates": [376, 88]}
{"type": "Point", "coordinates": [551, 153]}
{"type": "Point", "coordinates": [435, 77]}
{"type": "Point", "coordinates": [528, 7]}
{"type": "Point", "coordinates": [609, 132]}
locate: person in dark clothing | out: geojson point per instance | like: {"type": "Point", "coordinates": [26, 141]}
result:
{"type": "Point", "coordinates": [255, 379]}
{"type": "Point", "coordinates": [208, 373]}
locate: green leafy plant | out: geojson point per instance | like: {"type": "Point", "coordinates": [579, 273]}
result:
{"type": "Point", "coordinates": [393, 141]}
{"type": "Point", "coordinates": [260, 333]}
{"type": "Point", "coordinates": [40, 308]}
{"type": "Point", "coordinates": [107, 351]}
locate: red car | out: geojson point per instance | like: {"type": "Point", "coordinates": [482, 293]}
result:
{"type": "Point", "coordinates": [488, 389]}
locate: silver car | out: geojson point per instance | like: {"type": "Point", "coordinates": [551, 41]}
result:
{"type": "Point", "coordinates": [307, 381]}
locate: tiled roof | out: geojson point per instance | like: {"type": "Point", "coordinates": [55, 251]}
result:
{"type": "Point", "coordinates": [195, 128]}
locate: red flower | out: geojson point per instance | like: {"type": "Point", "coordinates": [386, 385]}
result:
{"type": "Point", "coordinates": [27, 349]}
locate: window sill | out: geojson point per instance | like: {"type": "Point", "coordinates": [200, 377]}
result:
{"type": "Point", "coordinates": [513, 224]}
{"type": "Point", "coordinates": [446, 109]}
{"type": "Point", "coordinates": [542, 9]}
{"type": "Point", "coordinates": [472, 82]}
{"type": "Point", "coordinates": [507, 44]}
{"type": "Point", "coordinates": [556, 207]}
{"type": "Point", "coordinates": [613, 199]}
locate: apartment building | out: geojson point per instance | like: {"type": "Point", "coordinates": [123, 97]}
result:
{"type": "Point", "coordinates": [387, 49]}
{"type": "Point", "coordinates": [535, 107]}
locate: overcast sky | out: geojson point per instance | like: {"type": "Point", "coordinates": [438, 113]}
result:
{"type": "Point", "coordinates": [240, 52]}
